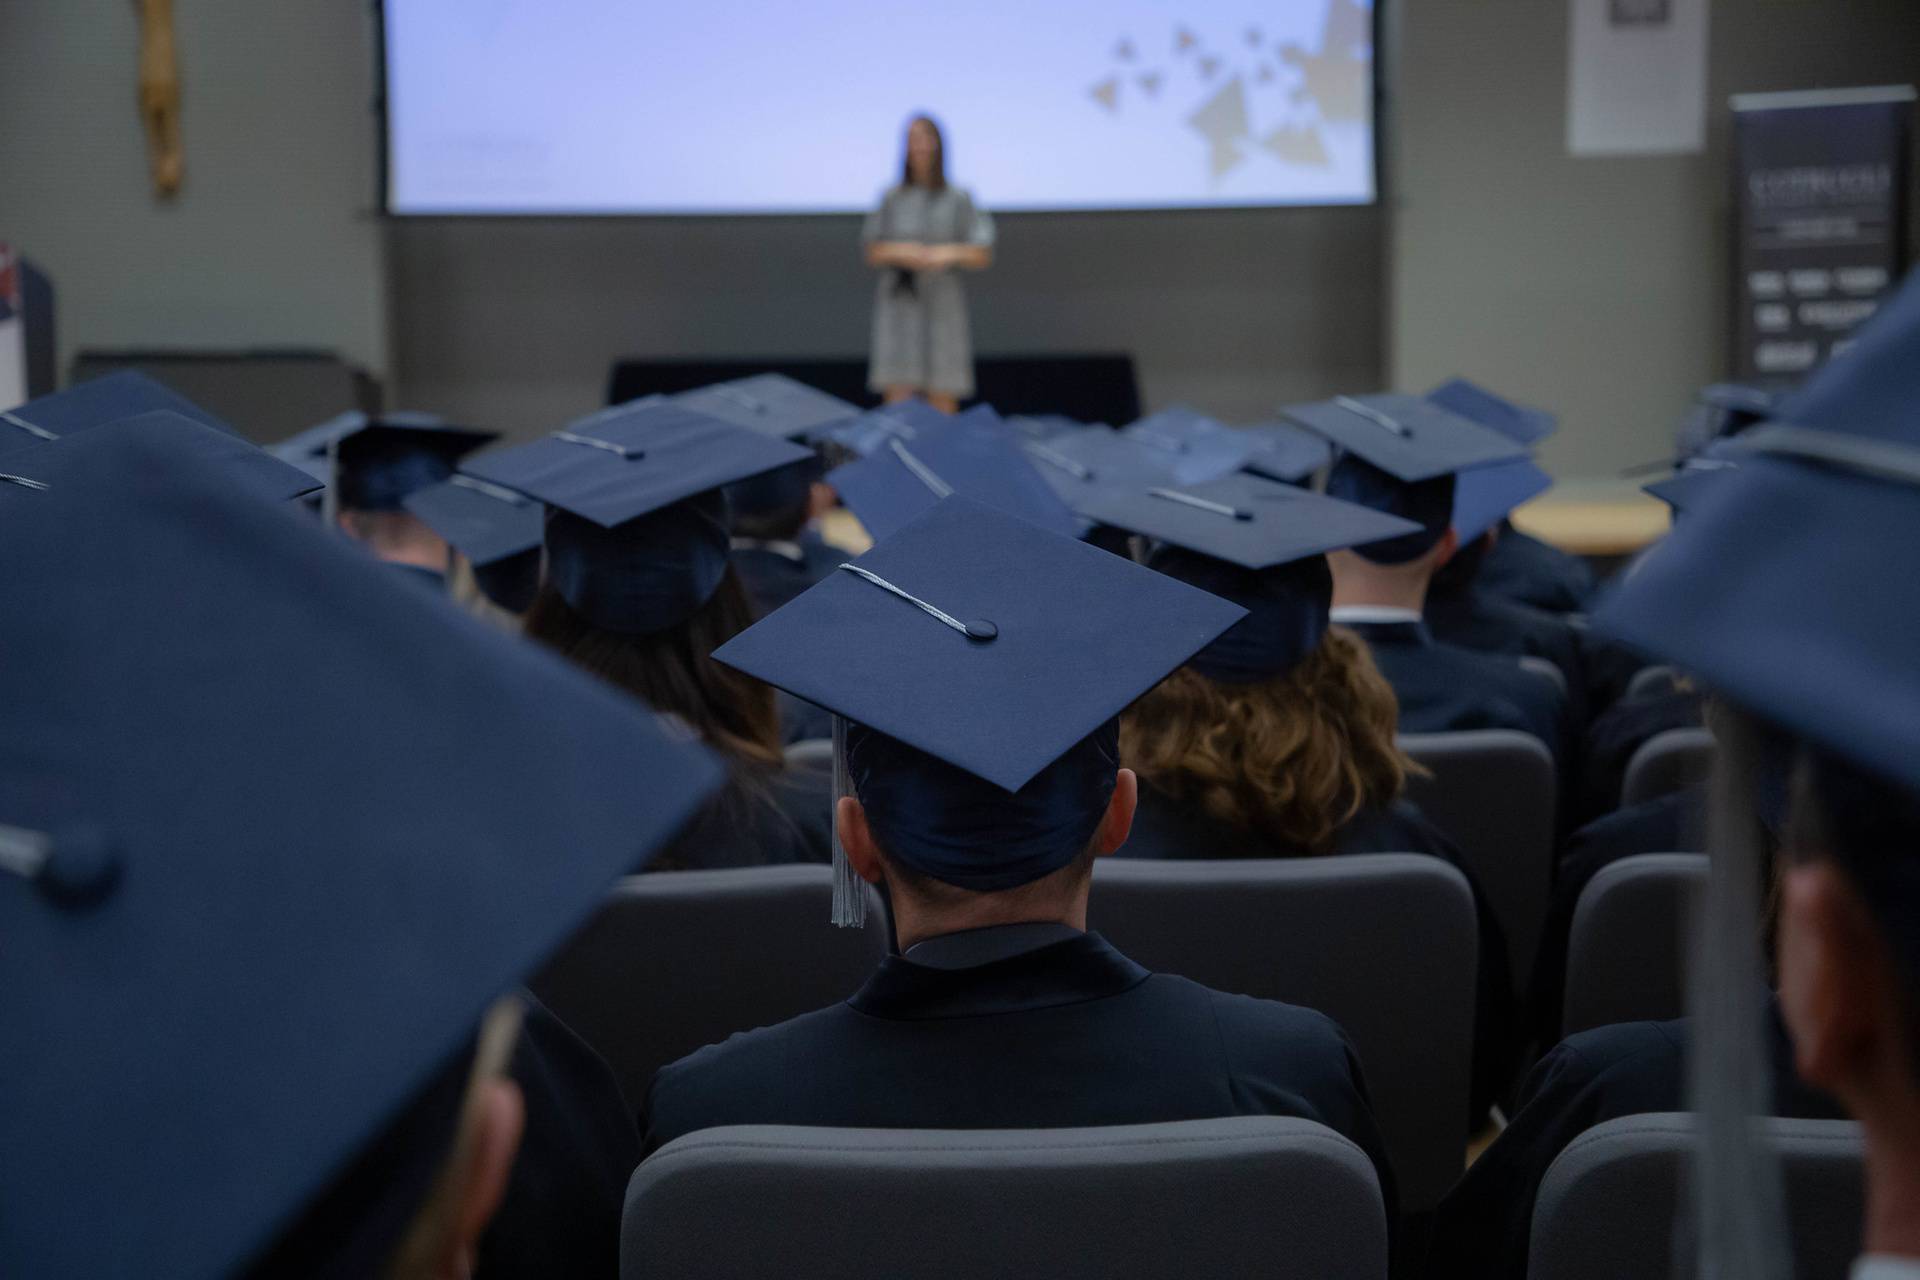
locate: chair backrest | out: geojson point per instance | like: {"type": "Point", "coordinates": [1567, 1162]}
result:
{"type": "Point", "coordinates": [1610, 1206]}
{"type": "Point", "coordinates": [1666, 762]}
{"type": "Point", "coordinates": [810, 753]}
{"type": "Point", "coordinates": [1246, 1196]}
{"type": "Point", "coordinates": [1492, 792]}
{"type": "Point", "coordinates": [1545, 667]}
{"type": "Point", "coordinates": [1627, 952]}
{"type": "Point", "coordinates": [675, 960]}
{"type": "Point", "coordinates": [1384, 944]}
{"type": "Point", "coordinates": [1650, 680]}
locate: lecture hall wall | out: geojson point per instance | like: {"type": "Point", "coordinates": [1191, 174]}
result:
{"type": "Point", "coordinates": [1593, 286]}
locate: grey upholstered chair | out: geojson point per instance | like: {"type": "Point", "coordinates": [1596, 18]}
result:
{"type": "Point", "coordinates": [1493, 792]}
{"type": "Point", "coordinates": [1627, 952]}
{"type": "Point", "coordinates": [1384, 944]}
{"type": "Point", "coordinates": [1610, 1206]}
{"type": "Point", "coordinates": [675, 960]}
{"type": "Point", "coordinates": [1247, 1196]}
{"type": "Point", "coordinates": [1666, 762]}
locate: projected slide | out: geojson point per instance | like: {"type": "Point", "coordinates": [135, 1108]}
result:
{"type": "Point", "coordinates": [784, 106]}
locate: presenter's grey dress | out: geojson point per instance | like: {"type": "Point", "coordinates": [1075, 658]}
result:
{"type": "Point", "coordinates": [920, 333]}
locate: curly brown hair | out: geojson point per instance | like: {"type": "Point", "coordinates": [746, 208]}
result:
{"type": "Point", "coordinates": [1292, 759]}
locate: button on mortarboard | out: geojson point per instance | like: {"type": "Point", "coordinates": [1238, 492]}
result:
{"type": "Point", "coordinates": [1079, 634]}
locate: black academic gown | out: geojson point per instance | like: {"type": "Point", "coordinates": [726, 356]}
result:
{"type": "Point", "coordinates": [1622, 729]}
{"type": "Point", "coordinates": [1673, 823]}
{"type": "Point", "coordinates": [1442, 688]}
{"type": "Point", "coordinates": [561, 1213]}
{"type": "Point", "coordinates": [1069, 1033]}
{"type": "Point", "coordinates": [776, 572]}
{"type": "Point", "coordinates": [1165, 828]}
{"type": "Point", "coordinates": [1532, 572]}
{"type": "Point", "coordinates": [1470, 617]}
{"type": "Point", "coordinates": [761, 817]}
{"type": "Point", "coordinates": [1633, 1068]}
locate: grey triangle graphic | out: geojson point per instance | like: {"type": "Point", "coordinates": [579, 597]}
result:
{"type": "Point", "coordinates": [1107, 93]}
{"type": "Point", "coordinates": [1300, 145]}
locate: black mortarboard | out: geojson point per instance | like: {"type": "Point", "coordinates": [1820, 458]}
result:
{"type": "Point", "coordinates": [496, 529]}
{"type": "Point", "coordinates": [268, 855]}
{"type": "Point", "coordinates": [1409, 438]}
{"type": "Point", "coordinates": [772, 404]}
{"type": "Point", "coordinates": [637, 537]}
{"type": "Point", "coordinates": [992, 660]}
{"type": "Point", "coordinates": [94, 402]}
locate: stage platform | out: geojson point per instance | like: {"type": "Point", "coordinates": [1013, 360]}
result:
{"type": "Point", "coordinates": [1607, 519]}
{"type": "Point", "coordinates": [1092, 387]}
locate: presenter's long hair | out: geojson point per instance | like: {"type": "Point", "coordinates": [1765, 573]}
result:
{"type": "Point", "coordinates": [1290, 760]}
{"type": "Point", "coordinates": [937, 172]}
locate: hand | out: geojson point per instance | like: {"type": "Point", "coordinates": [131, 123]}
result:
{"type": "Point", "coordinates": [935, 258]}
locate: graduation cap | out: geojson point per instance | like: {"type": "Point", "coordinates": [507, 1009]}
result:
{"type": "Point", "coordinates": [1095, 460]}
{"type": "Point", "coordinates": [905, 420]}
{"type": "Point", "coordinates": [1285, 452]}
{"type": "Point", "coordinates": [1198, 448]}
{"type": "Point", "coordinates": [992, 660]}
{"type": "Point", "coordinates": [1785, 588]}
{"type": "Point", "coordinates": [637, 537]}
{"type": "Point", "coordinates": [1245, 520]}
{"type": "Point", "coordinates": [495, 528]}
{"type": "Point", "coordinates": [1043, 426]}
{"type": "Point", "coordinates": [94, 403]}
{"type": "Point", "coordinates": [1406, 437]}
{"type": "Point", "coordinates": [265, 857]}
{"type": "Point", "coordinates": [1690, 482]}
{"type": "Point", "coordinates": [247, 468]}
{"type": "Point", "coordinates": [1259, 543]}
{"type": "Point", "coordinates": [1518, 422]}
{"type": "Point", "coordinates": [974, 458]}
{"type": "Point", "coordinates": [1484, 496]}
{"type": "Point", "coordinates": [1788, 590]}
{"type": "Point", "coordinates": [772, 404]}
{"type": "Point", "coordinates": [375, 462]}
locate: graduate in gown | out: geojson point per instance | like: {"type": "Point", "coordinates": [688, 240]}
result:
{"type": "Point", "coordinates": [1788, 592]}
{"type": "Point", "coordinates": [1277, 740]}
{"type": "Point", "coordinates": [640, 589]}
{"type": "Point", "coordinates": [314, 962]}
{"type": "Point", "coordinates": [372, 465]}
{"type": "Point", "coordinates": [980, 743]}
{"type": "Point", "coordinates": [1402, 456]}
{"type": "Point", "coordinates": [1484, 1225]}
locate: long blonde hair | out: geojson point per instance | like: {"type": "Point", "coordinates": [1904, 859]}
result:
{"type": "Point", "coordinates": [1292, 759]}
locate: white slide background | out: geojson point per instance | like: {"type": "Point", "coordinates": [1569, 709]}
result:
{"type": "Point", "coordinates": [787, 106]}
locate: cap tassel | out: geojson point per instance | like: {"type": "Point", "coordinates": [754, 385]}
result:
{"type": "Point", "coordinates": [849, 890]}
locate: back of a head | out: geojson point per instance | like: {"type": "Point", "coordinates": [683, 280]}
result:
{"type": "Point", "coordinates": [671, 669]}
{"type": "Point", "coordinates": [1290, 759]}
{"type": "Point", "coordinates": [935, 821]}
{"type": "Point", "coordinates": [1870, 828]}
{"type": "Point", "coordinates": [1428, 503]}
